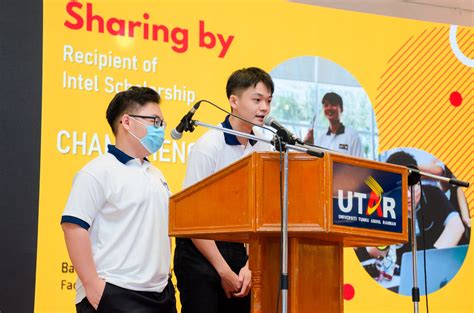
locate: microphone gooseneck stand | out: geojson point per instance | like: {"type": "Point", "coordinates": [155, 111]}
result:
{"type": "Point", "coordinates": [282, 142]}
{"type": "Point", "coordinates": [414, 177]}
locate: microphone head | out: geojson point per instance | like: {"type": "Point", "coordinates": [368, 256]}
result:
{"type": "Point", "coordinates": [197, 104]}
{"type": "Point", "coordinates": [268, 120]}
{"type": "Point", "coordinates": [175, 134]}
{"type": "Point", "coordinates": [413, 176]}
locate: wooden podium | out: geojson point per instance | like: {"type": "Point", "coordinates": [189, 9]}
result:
{"type": "Point", "coordinates": [242, 203]}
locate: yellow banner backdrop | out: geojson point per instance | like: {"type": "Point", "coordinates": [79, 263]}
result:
{"type": "Point", "coordinates": [419, 84]}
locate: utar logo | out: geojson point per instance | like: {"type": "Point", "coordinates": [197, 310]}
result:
{"type": "Point", "coordinates": [382, 206]}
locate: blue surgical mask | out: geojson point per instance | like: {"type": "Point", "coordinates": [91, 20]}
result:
{"type": "Point", "coordinates": [153, 139]}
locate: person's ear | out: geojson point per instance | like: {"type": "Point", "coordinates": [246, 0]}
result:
{"type": "Point", "coordinates": [125, 121]}
{"type": "Point", "coordinates": [234, 102]}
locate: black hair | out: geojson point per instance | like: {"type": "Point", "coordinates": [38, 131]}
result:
{"type": "Point", "coordinates": [247, 77]}
{"type": "Point", "coordinates": [129, 100]}
{"type": "Point", "coordinates": [334, 99]}
{"type": "Point", "coordinates": [402, 158]}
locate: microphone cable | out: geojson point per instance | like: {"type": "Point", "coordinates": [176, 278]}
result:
{"type": "Point", "coordinates": [422, 209]}
{"type": "Point", "coordinates": [414, 237]}
{"type": "Point", "coordinates": [280, 280]}
{"type": "Point", "coordinates": [279, 144]}
{"type": "Point", "coordinates": [236, 116]}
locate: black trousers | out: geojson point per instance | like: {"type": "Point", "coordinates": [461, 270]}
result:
{"type": "Point", "coordinates": [120, 300]}
{"type": "Point", "coordinates": [199, 284]}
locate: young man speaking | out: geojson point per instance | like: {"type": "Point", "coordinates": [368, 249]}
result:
{"type": "Point", "coordinates": [214, 277]}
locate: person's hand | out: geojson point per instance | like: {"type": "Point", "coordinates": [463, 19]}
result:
{"type": "Point", "coordinates": [230, 282]}
{"type": "Point", "coordinates": [94, 291]}
{"type": "Point", "coordinates": [245, 275]}
{"type": "Point", "coordinates": [309, 138]}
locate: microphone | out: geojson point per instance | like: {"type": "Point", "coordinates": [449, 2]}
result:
{"type": "Point", "coordinates": [183, 125]}
{"type": "Point", "coordinates": [270, 121]}
{"type": "Point", "coordinates": [414, 175]}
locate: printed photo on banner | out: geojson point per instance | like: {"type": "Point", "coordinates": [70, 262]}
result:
{"type": "Point", "coordinates": [324, 104]}
{"type": "Point", "coordinates": [442, 226]}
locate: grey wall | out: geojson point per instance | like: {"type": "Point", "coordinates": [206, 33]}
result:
{"type": "Point", "coordinates": [20, 128]}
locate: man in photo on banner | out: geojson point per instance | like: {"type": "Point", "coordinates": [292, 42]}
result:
{"type": "Point", "coordinates": [338, 137]}
{"type": "Point", "coordinates": [441, 225]}
{"type": "Point", "coordinates": [116, 218]}
{"type": "Point", "coordinates": [214, 277]}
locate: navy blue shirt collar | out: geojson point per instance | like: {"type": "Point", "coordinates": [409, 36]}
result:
{"type": "Point", "coordinates": [232, 139]}
{"type": "Point", "coordinates": [339, 131]}
{"type": "Point", "coordinates": [119, 154]}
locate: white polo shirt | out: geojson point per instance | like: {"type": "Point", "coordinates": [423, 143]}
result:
{"type": "Point", "coordinates": [216, 150]}
{"type": "Point", "coordinates": [345, 140]}
{"type": "Point", "coordinates": [124, 205]}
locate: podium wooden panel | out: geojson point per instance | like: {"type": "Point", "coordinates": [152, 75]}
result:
{"type": "Point", "coordinates": [241, 203]}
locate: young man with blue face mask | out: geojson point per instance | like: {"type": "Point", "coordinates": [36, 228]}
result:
{"type": "Point", "coordinates": [116, 218]}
